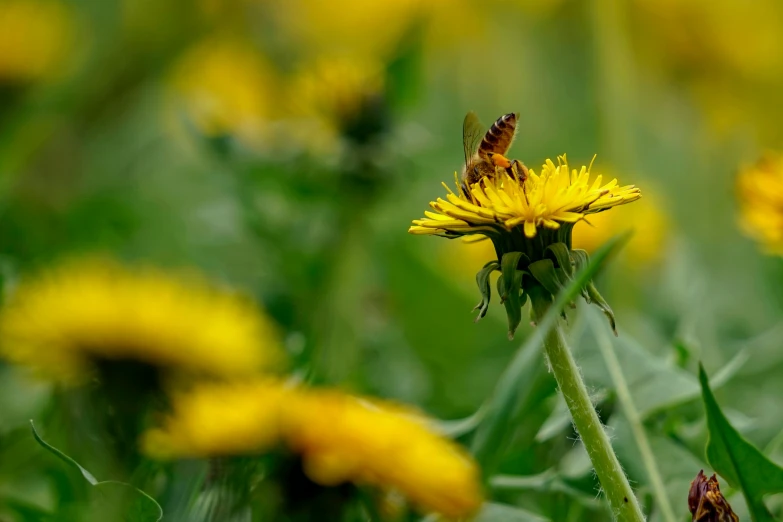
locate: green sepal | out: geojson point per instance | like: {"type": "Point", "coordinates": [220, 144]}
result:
{"type": "Point", "coordinates": [501, 289]}
{"type": "Point", "coordinates": [590, 292]}
{"type": "Point", "coordinates": [482, 280]}
{"type": "Point", "coordinates": [564, 266]}
{"type": "Point", "coordinates": [514, 301]}
{"type": "Point", "coordinates": [597, 299]}
{"type": "Point", "coordinates": [508, 266]}
{"type": "Point", "coordinates": [580, 259]}
{"type": "Point", "coordinates": [544, 272]}
{"type": "Point", "coordinates": [559, 253]}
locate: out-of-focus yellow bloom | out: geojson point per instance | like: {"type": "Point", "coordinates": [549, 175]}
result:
{"type": "Point", "coordinates": [760, 193]}
{"type": "Point", "coordinates": [227, 87]}
{"type": "Point", "coordinates": [733, 84]}
{"type": "Point", "coordinates": [335, 89]}
{"type": "Point", "coordinates": [349, 27]}
{"type": "Point", "coordinates": [645, 218]}
{"type": "Point", "coordinates": [500, 205]}
{"type": "Point", "coordinates": [705, 47]}
{"type": "Point", "coordinates": [340, 438]}
{"type": "Point", "coordinates": [35, 38]}
{"type": "Point", "coordinates": [86, 311]}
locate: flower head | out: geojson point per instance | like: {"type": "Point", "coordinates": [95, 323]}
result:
{"type": "Point", "coordinates": [35, 37]}
{"type": "Point", "coordinates": [530, 223]}
{"type": "Point", "coordinates": [337, 91]}
{"type": "Point", "coordinates": [706, 503]}
{"type": "Point", "coordinates": [226, 86]}
{"type": "Point", "coordinates": [499, 205]}
{"type": "Point", "coordinates": [340, 438]}
{"type": "Point", "coordinates": [85, 312]}
{"type": "Point", "coordinates": [760, 192]}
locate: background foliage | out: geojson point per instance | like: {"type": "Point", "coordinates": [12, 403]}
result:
{"type": "Point", "coordinates": [284, 147]}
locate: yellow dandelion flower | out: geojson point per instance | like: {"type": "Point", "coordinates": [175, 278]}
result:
{"type": "Point", "coordinates": [760, 193]}
{"type": "Point", "coordinates": [367, 29]}
{"type": "Point", "coordinates": [340, 438]}
{"type": "Point", "coordinates": [502, 204]}
{"type": "Point", "coordinates": [335, 89]}
{"type": "Point", "coordinates": [530, 223]}
{"type": "Point", "coordinates": [83, 312]}
{"type": "Point", "coordinates": [35, 36]}
{"type": "Point", "coordinates": [226, 87]}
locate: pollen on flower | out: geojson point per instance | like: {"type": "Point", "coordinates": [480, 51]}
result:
{"type": "Point", "coordinates": [340, 438]}
{"type": "Point", "coordinates": [501, 204]}
{"type": "Point", "coordinates": [85, 311]}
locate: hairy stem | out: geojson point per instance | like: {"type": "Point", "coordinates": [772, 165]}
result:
{"type": "Point", "coordinates": [613, 481]}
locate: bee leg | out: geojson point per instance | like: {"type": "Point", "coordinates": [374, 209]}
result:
{"type": "Point", "coordinates": [499, 160]}
{"type": "Point", "coordinates": [517, 170]}
{"type": "Point", "coordinates": [467, 181]}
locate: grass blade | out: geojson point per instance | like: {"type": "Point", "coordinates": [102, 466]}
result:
{"type": "Point", "coordinates": [634, 418]}
{"type": "Point", "coordinates": [89, 476]}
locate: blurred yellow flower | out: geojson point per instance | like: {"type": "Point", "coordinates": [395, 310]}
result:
{"type": "Point", "coordinates": [349, 27]}
{"type": "Point", "coordinates": [704, 46]}
{"type": "Point", "coordinates": [35, 38]}
{"type": "Point", "coordinates": [760, 194]}
{"type": "Point", "coordinates": [645, 218]}
{"type": "Point", "coordinates": [733, 84]}
{"type": "Point", "coordinates": [499, 206]}
{"type": "Point", "coordinates": [227, 87]}
{"type": "Point", "coordinates": [82, 312]}
{"type": "Point", "coordinates": [340, 438]}
{"type": "Point", "coordinates": [335, 90]}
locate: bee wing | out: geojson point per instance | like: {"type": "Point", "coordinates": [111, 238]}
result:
{"type": "Point", "coordinates": [472, 132]}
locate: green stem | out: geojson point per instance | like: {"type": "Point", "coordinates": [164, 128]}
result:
{"type": "Point", "coordinates": [610, 474]}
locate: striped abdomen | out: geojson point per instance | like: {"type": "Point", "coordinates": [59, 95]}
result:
{"type": "Point", "coordinates": [499, 136]}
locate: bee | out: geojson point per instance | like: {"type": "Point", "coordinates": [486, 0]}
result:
{"type": "Point", "coordinates": [486, 156]}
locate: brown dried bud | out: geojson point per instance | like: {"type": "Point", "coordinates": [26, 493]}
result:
{"type": "Point", "coordinates": [706, 501]}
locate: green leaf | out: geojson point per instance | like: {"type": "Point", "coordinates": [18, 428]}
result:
{"type": "Point", "coordinates": [634, 419]}
{"type": "Point", "coordinates": [549, 481]}
{"type": "Point", "coordinates": [742, 465]}
{"type": "Point", "coordinates": [482, 280]}
{"type": "Point", "coordinates": [459, 427]}
{"type": "Point", "coordinates": [492, 512]}
{"type": "Point", "coordinates": [656, 382]}
{"type": "Point", "coordinates": [139, 511]}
